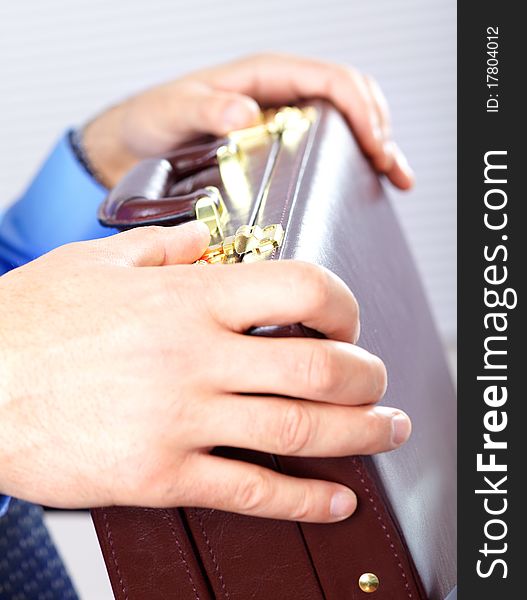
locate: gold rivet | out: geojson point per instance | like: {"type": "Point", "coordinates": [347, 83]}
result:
{"type": "Point", "coordinates": [369, 582]}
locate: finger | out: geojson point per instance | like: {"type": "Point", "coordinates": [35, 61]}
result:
{"type": "Point", "coordinates": [380, 104]}
{"type": "Point", "coordinates": [384, 160]}
{"type": "Point", "coordinates": [275, 79]}
{"type": "Point", "coordinates": [281, 293]}
{"type": "Point", "coordinates": [240, 487]}
{"type": "Point", "coordinates": [399, 172]}
{"type": "Point", "coordinates": [322, 370]}
{"type": "Point", "coordinates": [392, 161]}
{"type": "Point", "coordinates": [154, 246]}
{"type": "Point", "coordinates": [301, 428]}
{"type": "Point", "coordinates": [206, 109]}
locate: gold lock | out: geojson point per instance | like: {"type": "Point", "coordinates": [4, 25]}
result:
{"type": "Point", "coordinates": [248, 244]}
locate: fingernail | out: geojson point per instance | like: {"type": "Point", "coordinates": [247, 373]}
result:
{"type": "Point", "coordinates": [357, 333]}
{"type": "Point", "coordinates": [402, 163]}
{"type": "Point", "coordinates": [240, 113]}
{"type": "Point", "coordinates": [382, 381]}
{"type": "Point", "coordinates": [343, 504]}
{"type": "Point", "coordinates": [378, 133]}
{"type": "Point", "coordinates": [389, 149]}
{"type": "Point", "coordinates": [198, 226]}
{"type": "Point", "coordinates": [401, 428]}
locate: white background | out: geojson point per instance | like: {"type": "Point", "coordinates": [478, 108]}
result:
{"type": "Point", "coordinates": [62, 60]}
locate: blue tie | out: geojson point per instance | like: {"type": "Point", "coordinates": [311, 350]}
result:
{"type": "Point", "coordinates": [30, 566]}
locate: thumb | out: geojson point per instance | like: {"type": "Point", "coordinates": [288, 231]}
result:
{"type": "Point", "coordinates": [156, 246]}
{"type": "Point", "coordinates": [211, 111]}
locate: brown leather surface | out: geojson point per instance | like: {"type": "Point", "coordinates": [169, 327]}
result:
{"type": "Point", "coordinates": [334, 212]}
{"type": "Point", "coordinates": [148, 554]}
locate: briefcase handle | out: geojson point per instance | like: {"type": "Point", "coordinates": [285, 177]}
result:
{"type": "Point", "coordinates": [143, 197]}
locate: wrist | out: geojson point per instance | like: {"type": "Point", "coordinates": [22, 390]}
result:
{"type": "Point", "coordinates": [6, 408]}
{"type": "Point", "coordinates": [5, 360]}
{"type": "Point", "coordinates": [104, 150]}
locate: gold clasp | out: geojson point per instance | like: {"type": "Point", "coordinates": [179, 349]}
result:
{"type": "Point", "coordinates": [212, 211]}
{"type": "Point", "coordinates": [272, 122]}
{"type": "Point", "coordinates": [248, 244]}
{"type": "Point", "coordinates": [287, 124]}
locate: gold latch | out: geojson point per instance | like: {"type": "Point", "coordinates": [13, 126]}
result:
{"type": "Point", "coordinates": [212, 211]}
{"type": "Point", "coordinates": [282, 127]}
{"type": "Point", "coordinates": [248, 244]}
{"type": "Point", "coordinates": [286, 125]}
{"type": "Point", "coordinates": [272, 122]}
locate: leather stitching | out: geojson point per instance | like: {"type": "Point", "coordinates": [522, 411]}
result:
{"type": "Point", "coordinates": [109, 537]}
{"type": "Point", "coordinates": [168, 517]}
{"type": "Point", "coordinates": [384, 527]}
{"type": "Point", "coordinates": [211, 552]}
{"type": "Point", "coordinates": [289, 195]}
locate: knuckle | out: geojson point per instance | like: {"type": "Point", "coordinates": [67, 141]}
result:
{"type": "Point", "coordinates": [302, 508]}
{"type": "Point", "coordinates": [314, 285]}
{"type": "Point", "coordinates": [252, 493]}
{"type": "Point", "coordinates": [345, 74]}
{"type": "Point", "coordinates": [378, 377]}
{"type": "Point", "coordinates": [296, 429]}
{"type": "Point", "coordinates": [67, 250]}
{"type": "Point", "coordinates": [376, 429]}
{"type": "Point", "coordinates": [370, 80]}
{"type": "Point", "coordinates": [382, 162]}
{"type": "Point", "coordinates": [138, 478]}
{"type": "Point", "coordinates": [208, 113]}
{"type": "Point", "coordinates": [85, 247]}
{"type": "Point", "coordinates": [322, 374]}
{"type": "Point", "coordinates": [166, 479]}
{"type": "Point", "coordinates": [355, 309]}
{"type": "Point", "coordinates": [345, 71]}
{"type": "Point", "coordinates": [149, 231]}
{"type": "Point", "coordinates": [147, 237]}
{"type": "Point", "coordinates": [263, 57]}
{"type": "Point", "coordinates": [203, 111]}
{"type": "Point", "coordinates": [378, 93]}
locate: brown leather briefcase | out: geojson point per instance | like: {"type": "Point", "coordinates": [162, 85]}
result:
{"type": "Point", "coordinates": [297, 186]}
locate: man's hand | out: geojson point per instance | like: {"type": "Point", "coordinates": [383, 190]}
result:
{"type": "Point", "coordinates": [223, 98]}
{"type": "Point", "coordinates": [121, 368]}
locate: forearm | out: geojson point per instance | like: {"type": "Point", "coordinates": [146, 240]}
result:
{"type": "Point", "coordinates": [59, 206]}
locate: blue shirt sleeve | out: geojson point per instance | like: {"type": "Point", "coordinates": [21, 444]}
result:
{"type": "Point", "coordinates": [60, 206]}
{"type": "Point", "coordinates": [4, 504]}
